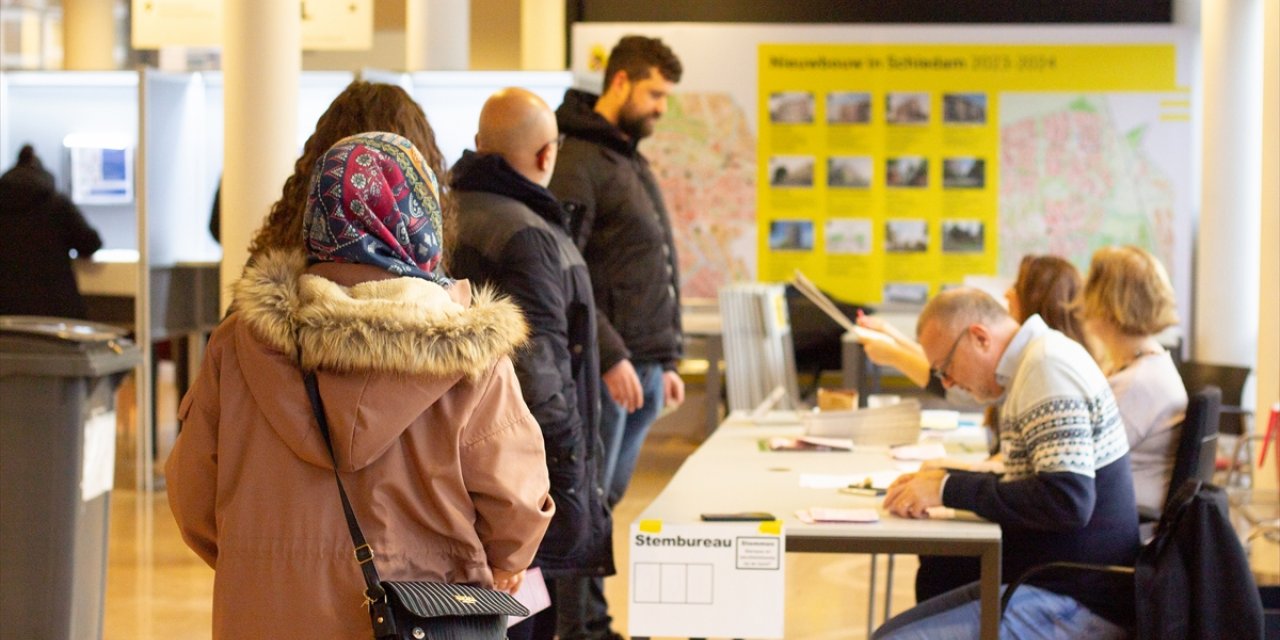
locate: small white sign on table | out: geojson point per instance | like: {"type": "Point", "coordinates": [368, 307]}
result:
{"type": "Point", "coordinates": [707, 580]}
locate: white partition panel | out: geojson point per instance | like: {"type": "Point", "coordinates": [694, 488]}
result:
{"type": "Point", "coordinates": [178, 188]}
{"type": "Point", "coordinates": [42, 108]}
{"type": "Point", "coordinates": [453, 99]}
{"type": "Point", "coordinates": [318, 89]}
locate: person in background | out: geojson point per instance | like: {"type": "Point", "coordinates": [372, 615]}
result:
{"type": "Point", "coordinates": [622, 228]}
{"type": "Point", "coordinates": [1067, 490]}
{"type": "Point", "coordinates": [442, 460]}
{"type": "Point", "coordinates": [513, 234]}
{"type": "Point", "coordinates": [1046, 286]}
{"type": "Point", "coordinates": [39, 228]}
{"type": "Point", "coordinates": [1127, 300]}
{"type": "Point", "coordinates": [362, 106]}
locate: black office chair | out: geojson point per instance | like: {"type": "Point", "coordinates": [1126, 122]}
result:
{"type": "Point", "coordinates": [1198, 441]}
{"type": "Point", "coordinates": [1197, 449]}
{"type": "Point", "coordinates": [1234, 421]}
{"type": "Point", "coordinates": [1192, 580]}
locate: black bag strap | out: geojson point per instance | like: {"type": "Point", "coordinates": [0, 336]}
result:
{"type": "Point", "coordinates": [375, 595]}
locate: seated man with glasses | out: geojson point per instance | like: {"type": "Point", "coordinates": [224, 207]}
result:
{"type": "Point", "coordinates": [1067, 491]}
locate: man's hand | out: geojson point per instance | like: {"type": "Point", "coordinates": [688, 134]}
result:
{"type": "Point", "coordinates": [506, 580]}
{"type": "Point", "coordinates": [623, 386]}
{"type": "Point", "coordinates": [912, 494]}
{"type": "Point", "coordinates": [672, 388]}
{"type": "Point", "coordinates": [876, 324]}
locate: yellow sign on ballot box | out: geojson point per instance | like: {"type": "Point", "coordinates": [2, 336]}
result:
{"type": "Point", "coordinates": [702, 580]}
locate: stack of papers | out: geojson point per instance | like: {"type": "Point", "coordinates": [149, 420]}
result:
{"type": "Point", "coordinates": [881, 426]}
{"type": "Point", "coordinates": [939, 420]}
{"type": "Point", "coordinates": [808, 443]}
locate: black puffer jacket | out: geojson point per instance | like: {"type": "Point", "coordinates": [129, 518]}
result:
{"type": "Point", "coordinates": [512, 234]}
{"type": "Point", "coordinates": [38, 228]}
{"type": "Point", "coordinates": [621, 226]}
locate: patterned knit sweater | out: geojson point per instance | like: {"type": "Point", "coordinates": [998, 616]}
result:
{"type": "Point", "coordinates": [1067, 491]}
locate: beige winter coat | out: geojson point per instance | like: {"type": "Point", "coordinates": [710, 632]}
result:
{"type": "Point", "coordinates": [442, 460]}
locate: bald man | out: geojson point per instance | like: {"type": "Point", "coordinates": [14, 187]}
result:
{"type": "Point", "coordinates": [513, 235]}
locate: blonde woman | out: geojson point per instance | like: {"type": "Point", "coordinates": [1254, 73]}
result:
{"type": "Point", "coordinates": [1128, 300]}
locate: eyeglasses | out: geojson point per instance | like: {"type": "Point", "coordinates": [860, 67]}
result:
{"type": "Point", "coordinates": [558, 142]}
{"type": "Point", "coordinates": [941, 371]}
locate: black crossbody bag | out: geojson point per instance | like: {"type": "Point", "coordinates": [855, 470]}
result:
{"type": "Point", "coordinates": [417, 610]}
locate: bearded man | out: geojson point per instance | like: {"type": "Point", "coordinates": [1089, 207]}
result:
{"type": "Point", "coordinates": [620, 224]}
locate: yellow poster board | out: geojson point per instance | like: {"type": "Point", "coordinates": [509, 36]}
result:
{"type": "Point", "coordinates": [880, 166]}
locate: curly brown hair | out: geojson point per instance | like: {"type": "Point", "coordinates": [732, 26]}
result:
{"type": "Point", "coordinates": [1048, 285]}
{"type": "Point", "coordinates": [362, 106]}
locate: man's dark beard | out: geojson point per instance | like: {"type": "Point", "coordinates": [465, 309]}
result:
{"type": "Point", "coordinates": [636, 128]}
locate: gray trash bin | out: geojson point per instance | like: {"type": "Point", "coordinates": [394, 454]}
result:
{"type": "Point", "coordinates": [58, 379]}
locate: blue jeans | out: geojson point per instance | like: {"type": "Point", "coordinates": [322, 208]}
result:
{"type": "Point", "coordinates": [623, 433]}
{"type": "Point", "coordinates": [1033, 613]}
{"type": "Point", "coordinates": [582, 610]}
{"type": "Point", "coordinates": [578, 612]}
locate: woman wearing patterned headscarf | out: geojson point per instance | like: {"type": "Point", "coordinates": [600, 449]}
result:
{"type": "Point", "coordinates": [444, 463]}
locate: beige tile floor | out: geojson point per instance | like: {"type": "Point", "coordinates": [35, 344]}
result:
{"type": "Point", "coordinates": [157, 589]}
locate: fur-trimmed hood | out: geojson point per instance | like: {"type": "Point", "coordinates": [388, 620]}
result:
{"type": "Point", "coordinates": [385, 351]}
{"type": "Point", "coordinates": [404, 325]}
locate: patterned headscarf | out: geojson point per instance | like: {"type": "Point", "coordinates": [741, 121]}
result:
{"type": "Point", "coordinates": [375, 201]}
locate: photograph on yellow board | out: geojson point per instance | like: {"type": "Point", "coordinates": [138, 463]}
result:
{"type": "Point", "coordinates": [963, 236]}
{"type": "Point", "coordinates": [907, 171]}
{"type": "Point", "coordinates": [906, 292]}
{"type": "Point", "coordinates": [907, 107]}
{"type": "Point", "coordinates": [848, 236]}
{"type": "Point", "coordinates": [791, 171]}
{"type": "Point", "coordinates": [791, 107]}
{"type": "Point", "coordinates": [849, 172]}
{"type": "Point", "coordinates": [791, 235]}
{"type": "Point", "coordinates": [964, 108]}
{"type": "Point", "coordinates": [906, 236]}
{"type": "Point", "coordinates": [964, 173]}
{"type": "Point", "coordinates": [848, 107]}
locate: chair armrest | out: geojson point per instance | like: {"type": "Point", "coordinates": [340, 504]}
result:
{"type": "Point", "coordinates": [1055, 566]}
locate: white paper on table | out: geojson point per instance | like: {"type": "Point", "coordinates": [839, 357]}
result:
{"type": "Point", "coordinates": [99, 467]}
{"type": "Point", "coordinates": [722, 579]}
{"type": "Point", "coordinates": [835, 443]}
{"type": "Point", "coordinates": [532, 594]}
{"type": "Point", "coordinates": [939, 420]}
{"type": "Point", "coordinates": [820, 515]}
{"type": "Point", "coordinates": [919, 451]}
{"type": "Point", "coordinates": [877, 479]}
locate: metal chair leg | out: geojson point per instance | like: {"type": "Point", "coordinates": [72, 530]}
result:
{"type": "Point", "coordinates": [888, 590]}
{"type": "Point", "coordinates": [871, 597]}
